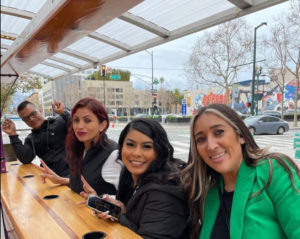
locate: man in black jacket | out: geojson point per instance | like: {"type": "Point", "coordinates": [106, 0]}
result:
{"type": "Point", "coordinates": [47, 137]}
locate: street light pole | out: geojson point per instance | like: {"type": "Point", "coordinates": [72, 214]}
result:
{"type": "Point", "coordinates": [257, 73]}
{"type": "Point", "coordinates": [152, 80]}
{"type": "Point", "coordinates": [254, 65]}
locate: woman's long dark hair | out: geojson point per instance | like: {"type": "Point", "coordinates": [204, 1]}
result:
{"type": "Point", "coordinates": [75, 148]}
{"type": "Point", "coordinates": [162, 170]}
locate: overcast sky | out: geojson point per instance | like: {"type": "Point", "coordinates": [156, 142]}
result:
{"type": "Point", "coordinates": [169, 58]}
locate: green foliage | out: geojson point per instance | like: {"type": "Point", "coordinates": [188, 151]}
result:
{"type": "Point", "coordinates": [24, 83]}
{"type": "Point", "coordinates": [122, 118]}
{"type": "Point", "coordinates": [176, 96]}
{"type": "Point", "coordinates": [125, 75]}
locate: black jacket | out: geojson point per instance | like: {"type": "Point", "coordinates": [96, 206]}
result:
{"type": "Point", "coordinates": [47, 142]}
{"type": "Point", "coordinates": [157, 211]}
{"type": "Point", "coordinates": [91, 170]}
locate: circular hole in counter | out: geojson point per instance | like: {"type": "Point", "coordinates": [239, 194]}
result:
{"type": "Point", "coordinates": [28, 176]}
{"type": "Point", "coordinates": [49, 197]}
{"type": "Point", "coordinates": [94, 235]}
{"type": "Point", "coordinates": [14, 164]}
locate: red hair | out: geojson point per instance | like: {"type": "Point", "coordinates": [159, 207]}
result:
{"type": "Point", "coordinates": [75, 148]}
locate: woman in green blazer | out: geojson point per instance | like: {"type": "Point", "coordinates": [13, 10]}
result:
{"type": "Point", "coordinates": [237, 190]}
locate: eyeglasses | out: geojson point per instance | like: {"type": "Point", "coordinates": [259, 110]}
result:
{"type": "Point", "coordinates": [32, 114]}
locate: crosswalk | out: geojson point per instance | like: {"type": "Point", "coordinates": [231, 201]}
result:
{"type": "Point", "coordinates": [275, 143]}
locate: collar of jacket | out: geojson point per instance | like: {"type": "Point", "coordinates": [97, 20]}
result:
{"type": "Point", "coordinates": [243, 188]}
{"type": "Point", "coordinates": [175, 190]}
{"type": "Point", "coordinates": [44, 125]}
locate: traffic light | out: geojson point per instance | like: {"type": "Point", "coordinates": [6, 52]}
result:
{"type": "Point", "coordinates": [248, 104]}
{"type": "Point", "coordinates": [103, 70]}
{"type": "Point", "coordinates": [154, 98]}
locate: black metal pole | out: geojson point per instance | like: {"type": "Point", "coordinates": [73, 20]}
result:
{"type": "Point", "coordinates": [254, 65]}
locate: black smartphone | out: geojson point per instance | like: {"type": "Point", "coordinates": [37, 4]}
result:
{"type": "Point", "coordinates": [101, 205]}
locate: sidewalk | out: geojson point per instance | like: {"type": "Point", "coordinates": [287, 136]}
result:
{"type": "Point", "coordinates": [187, 125]}
{"type": "Point", "coordinates": [291, 125]}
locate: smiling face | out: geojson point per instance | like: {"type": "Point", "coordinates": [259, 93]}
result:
{"type": "Point", "coordinates": [87, 127]}
{"type": "Point", "coordinates": [137, 153]}
{"type": "Point", "coordinates": [218, 144]}
{"type": "Point", "coordinates": [32, 116]}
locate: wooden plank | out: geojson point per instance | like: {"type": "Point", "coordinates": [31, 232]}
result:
{"type": "Point", "coordinates": [26, 215]}
{"type": "Point", "coordinates": [23, 198]}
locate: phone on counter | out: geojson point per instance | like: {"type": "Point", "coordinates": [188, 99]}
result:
{"type": "Point", "coordinates": [100, 205]}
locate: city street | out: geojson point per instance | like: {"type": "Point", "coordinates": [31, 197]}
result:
{"type": "Point", "coordinates": [179, 137]}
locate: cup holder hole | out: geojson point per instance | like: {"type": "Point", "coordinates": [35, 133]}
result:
{"type": "Point", "coordinates": [28, 176]}
{"type": "Point", "coordinates": [49, 197]}
{"type": "Point", "coordinates": [14, 164]}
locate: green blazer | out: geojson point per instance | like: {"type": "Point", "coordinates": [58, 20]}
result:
{"type": "Point", "coordinates": [274, 213]}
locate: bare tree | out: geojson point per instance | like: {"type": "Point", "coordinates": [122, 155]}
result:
{"type": "Point", "coordinates": [278, 58]}
{"type": "Point", "coordinates": [25, 83]}
{"type": "Point", "coordinates": [217, 54]}
{"type": "Point", "coordinates": [293, 47]}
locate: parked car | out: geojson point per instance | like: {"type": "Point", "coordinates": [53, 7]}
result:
{"type": "Point", "coordinates": [266, 125]}
{"type": "Point", "coordinates": [243, 116]}
{"type": "Point", "coordinates": [273, 113]}
{"type": "Point", "coordinates": [141, 116]}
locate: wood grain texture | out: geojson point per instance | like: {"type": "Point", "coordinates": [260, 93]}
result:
{"type": "Point", "coordinates": [33, 217]}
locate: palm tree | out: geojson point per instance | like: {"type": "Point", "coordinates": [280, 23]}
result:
{"type": "Point", "coordinates": [176, 98]}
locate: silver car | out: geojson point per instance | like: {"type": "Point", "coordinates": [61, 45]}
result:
{"type": "Point", "coordinates": [266, 125]}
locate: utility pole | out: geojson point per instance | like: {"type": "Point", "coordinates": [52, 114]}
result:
{"type": "Point", "coordinates": [254, 66]}
{"type": "Point", "coordinates": [152, 80]}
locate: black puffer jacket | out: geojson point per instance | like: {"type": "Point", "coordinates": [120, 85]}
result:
{"type": "Point", "coordinates": [93, 162]}
{"type": "Point", "coordinates": [157, 211]}
{"type": "Point", "coordinates": [47, 142]}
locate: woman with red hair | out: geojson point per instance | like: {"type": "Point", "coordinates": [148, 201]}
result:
{"type": "Point", "coordinates": [91, 155]}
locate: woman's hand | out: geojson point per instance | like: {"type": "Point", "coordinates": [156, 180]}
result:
{"type": "Point", "coordinates": [51, 175]}
{"type": "Point", "coordinates": [105, 215]}
{"type": "Point", "coordinates": [87, 189]}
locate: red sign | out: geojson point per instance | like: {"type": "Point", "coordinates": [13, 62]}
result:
{"type": "Point", "coordinates": [213, 98]}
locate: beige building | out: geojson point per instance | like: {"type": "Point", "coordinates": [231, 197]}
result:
{"type": "Point", "coordinates": [116, 95]}
{"type": "Point", "coordinates": [141, 102]}
{"type": "Point", "coordinates": [34, 98]}
{"type": "Point", "coordinates": [48, 98]}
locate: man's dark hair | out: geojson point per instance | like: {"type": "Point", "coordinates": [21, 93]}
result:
{"type": "Point", "coordinates": [23, 104]}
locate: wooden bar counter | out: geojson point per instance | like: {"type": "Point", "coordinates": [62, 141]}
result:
{"type": "Point", "coordinates": [28, 215]}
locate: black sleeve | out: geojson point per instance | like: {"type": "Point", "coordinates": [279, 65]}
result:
{"type": "Point", "coordinates": [125, 221]}
{"type": "Point", "coordinates": [67, 118]}
{"type": "Point", "coordinates": [162, 217]}
{"type": "Point", "coordinates": [24, 152]}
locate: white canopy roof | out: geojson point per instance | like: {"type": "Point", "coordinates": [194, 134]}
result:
{"type": "Point", "coordinates": [60, 37]}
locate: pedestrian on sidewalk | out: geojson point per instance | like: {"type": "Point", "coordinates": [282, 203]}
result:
{"type": "Point", "coordinates": [235, 189]}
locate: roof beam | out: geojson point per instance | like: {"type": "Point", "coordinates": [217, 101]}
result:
{"type": "Point", "coordinates": [55, 66]}
{"type": "Point", "coordinates": [70, 63]}
{"type": "Point", "coordinates": [241, 4]}
{"type": "Point", "coordinates": [40, 74]}
{"type": "Point", "coordinates": [8, 35]}
{"type": "Point", "coordinates": [146, 25]}
{"type": "Point", "coordinates": [4, 46]}
{"type": "Point", "coordinates": [17, 12]}
{"type": "Point", "coordinates": [57, 25]}
{"type": "Point", "coordinates": [100, 37]}
{"type": "Point", "coordinates": [79, 55]}
{"type": "Point", "coordinates": [202, 24]}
